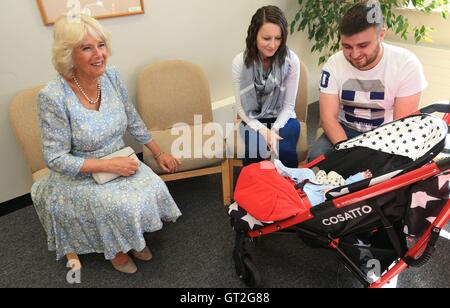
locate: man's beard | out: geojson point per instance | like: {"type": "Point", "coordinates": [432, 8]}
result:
{"type": "Point", "coordinates": [370, 59]}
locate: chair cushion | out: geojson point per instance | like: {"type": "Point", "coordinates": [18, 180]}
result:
{"type": "Point", "coordinates": [166, 140]}
{"type": "Point", "coordinates": [24, 122]}
{"type": "Point", "coordinates": [302, 144]}
{"type": "Point", "coordinates": [238, 147]}
{"type": "Point", "coordinates": [172, 92]}
{"type": "Point", "coordinates": [319, 132]}
{"type": "Point", "coordinates": [36, 176]}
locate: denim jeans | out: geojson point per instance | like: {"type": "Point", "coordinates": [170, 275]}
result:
{"type": "Point", "coordinates": [323, 144]}
{"type": "Point", "coordinates": [256, 147]}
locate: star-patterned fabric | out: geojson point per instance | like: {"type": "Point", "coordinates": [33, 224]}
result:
{"type": "Point", "coordinates": [425, 203]}
{"type": "Point", "coordinates": [412, 137]}
{"type": "Point", "coordinates": [243, 221]}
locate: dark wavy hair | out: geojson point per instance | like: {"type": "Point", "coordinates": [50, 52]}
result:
{"type": "Point", "coordinates": [357, 19]}
{"type": "Point", "coordinates": [266, 14]}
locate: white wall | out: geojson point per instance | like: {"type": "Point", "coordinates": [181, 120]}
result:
{"type": "Point", "coordinates": [207, 32]}
{"type": "Point", "coordinates": [434, 55]}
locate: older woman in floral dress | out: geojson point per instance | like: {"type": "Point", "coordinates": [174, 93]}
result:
{"type": "Point", "coordinates": [84, 113]}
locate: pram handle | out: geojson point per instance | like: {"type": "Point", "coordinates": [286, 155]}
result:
{"type": "Point", "coordinates": [441, 108]}
{"type": "Point", "coordinates": [443, 164]}
{"type": "Point", "coordinates": [428, 253]}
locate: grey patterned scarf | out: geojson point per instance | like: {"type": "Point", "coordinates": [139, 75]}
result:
{"type": "Point", "coordinates": [263, 96]}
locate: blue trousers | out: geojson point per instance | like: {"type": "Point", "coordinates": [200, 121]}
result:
{"type": "Point", "coordinates": [323, 144]}
{"type": "Point", "coordinates": [256, 147]}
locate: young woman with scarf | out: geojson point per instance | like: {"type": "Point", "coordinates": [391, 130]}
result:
{"type": "Point", "coordinates": [265, 79]}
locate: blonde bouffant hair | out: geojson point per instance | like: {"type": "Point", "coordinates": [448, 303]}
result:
{"type": "Point", "coordinates": [68, 34]}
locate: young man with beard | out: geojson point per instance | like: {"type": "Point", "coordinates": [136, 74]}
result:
{"type": "Point", "coordinates": [368, 83]}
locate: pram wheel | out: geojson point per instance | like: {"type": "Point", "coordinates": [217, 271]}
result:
{"type": "Point", "coordinates": [247, 271]}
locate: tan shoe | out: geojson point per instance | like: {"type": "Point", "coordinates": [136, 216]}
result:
{"type": "Point", "coordinates": [128, 268]}
{"type": "Point", "coordinates": [144, 255]}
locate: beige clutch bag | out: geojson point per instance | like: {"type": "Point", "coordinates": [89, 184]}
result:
{"type": "Point", "coordinates": [105, 177]}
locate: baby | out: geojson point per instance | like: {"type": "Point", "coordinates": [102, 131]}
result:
{"type": "Point", "coordinates": [318, 184]}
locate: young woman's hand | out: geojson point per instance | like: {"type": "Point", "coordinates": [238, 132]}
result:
{"type": "Point", "coordinates": [271, 138]}
{"type": "Point", "coordinates": [124, 166]}
{"type": "Point", "coordinates": [168, 163]}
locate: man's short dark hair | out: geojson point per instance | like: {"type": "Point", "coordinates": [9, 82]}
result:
{"type": "Point", "coordinates": [361, 17]}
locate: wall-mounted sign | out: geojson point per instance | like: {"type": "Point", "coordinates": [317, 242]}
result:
{"type": "Point", "coordinates": [52, 9]}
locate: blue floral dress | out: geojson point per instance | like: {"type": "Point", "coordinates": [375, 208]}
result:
{"type": "Point", "coordinates": [77, 214]}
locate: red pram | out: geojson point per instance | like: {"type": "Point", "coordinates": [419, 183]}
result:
{"type": "Point", "coordinates": [377, 227]}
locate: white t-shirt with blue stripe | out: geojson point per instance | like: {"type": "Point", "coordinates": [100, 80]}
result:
{"type": "Point", "coordinates": [367, 97]}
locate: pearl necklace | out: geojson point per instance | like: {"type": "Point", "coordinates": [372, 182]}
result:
{"type": "Point", "coordinates": [85, 95]}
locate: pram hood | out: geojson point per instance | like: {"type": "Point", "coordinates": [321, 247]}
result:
{"type": "Point", "coordinates": [412, 137]}
{"type": "Point", "coordinates": [388, 151]}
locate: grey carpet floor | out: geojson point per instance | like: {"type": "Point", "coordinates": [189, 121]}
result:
{"type": "Point", "coordinates": [195, 252]}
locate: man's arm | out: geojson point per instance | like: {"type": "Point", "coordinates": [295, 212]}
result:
{"type": "Point", "coordinates": [405, 106]}
{"type": "Point", "coordinates": [329, 112]}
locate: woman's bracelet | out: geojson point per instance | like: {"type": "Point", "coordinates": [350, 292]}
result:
{"type": "Point", "coordinates": [158, 155]}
